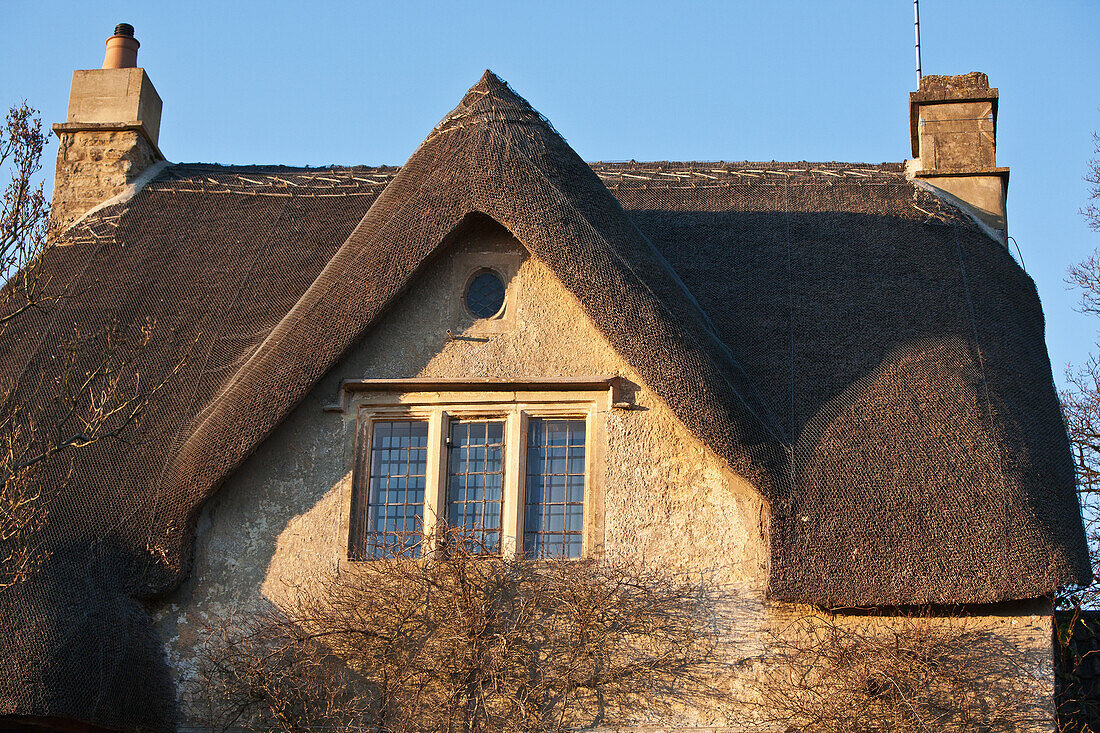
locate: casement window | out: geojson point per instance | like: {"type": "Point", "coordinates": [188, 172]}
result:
{"type": "Point", "coordinates": [510, 471]}
{"type": "Point", "coordinates": [394, 491]}
{"type": "Point", "coordinates": [474, 486]}
{"type": "Point", "coordinates": [554, 478]}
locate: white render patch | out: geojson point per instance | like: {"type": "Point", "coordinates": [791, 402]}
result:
{"type": "Point", "coordinates": [995, 234]}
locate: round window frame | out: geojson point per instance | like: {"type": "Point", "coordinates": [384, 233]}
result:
{"type": "Point", "coordinates": [474, 274]}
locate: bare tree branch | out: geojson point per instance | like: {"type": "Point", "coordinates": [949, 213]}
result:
{"type": "Point", "coordinates": [1081, 409]}
{"type": "Point", "coordinates": [24, 215]}
{"type": "Point", "coordinates": [835, 674]}
{"type": "Point", "coordinates": [1091, 211]}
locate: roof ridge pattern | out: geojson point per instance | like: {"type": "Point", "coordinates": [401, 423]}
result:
{"type": "Point", "coordinates": [258, 180]}
{"type": "Point", "coordinates": [320, 182]}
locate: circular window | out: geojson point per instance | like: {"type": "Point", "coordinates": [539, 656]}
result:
{"type": "Point", "coordinates": [485, 295]}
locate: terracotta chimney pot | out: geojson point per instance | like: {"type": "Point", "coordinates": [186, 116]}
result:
{"type": "Point", "coordinates": [122, 48]}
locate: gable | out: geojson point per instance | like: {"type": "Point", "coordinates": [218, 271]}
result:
{"type": "Point", "coordinates": [523, 175]}
{"type": "Point", "coordinates": [280, 521]}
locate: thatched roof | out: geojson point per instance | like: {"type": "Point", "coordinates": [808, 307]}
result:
{"type": "Point", "coordinates": [861, 352]}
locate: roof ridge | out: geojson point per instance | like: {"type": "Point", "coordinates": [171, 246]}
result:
{"type": "Point", "coordinates": [274, 180]}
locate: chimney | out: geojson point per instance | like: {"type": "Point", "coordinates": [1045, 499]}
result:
{"type": "Point", "coordinates": [110, 135]}
{"type": "Point", "coordinates": [953, 125]}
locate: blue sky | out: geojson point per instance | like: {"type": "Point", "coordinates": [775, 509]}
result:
{"type": "Point", "coordinates": [363, 83]}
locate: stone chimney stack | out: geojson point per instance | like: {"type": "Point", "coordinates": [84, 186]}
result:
{"type": "Point", "coordinates": [110, 135]}
{"type": "Point", "coordinates": [953, 124]}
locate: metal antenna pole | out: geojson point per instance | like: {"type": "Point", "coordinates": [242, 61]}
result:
{"type": "Point", "coordinates": [916, 33]}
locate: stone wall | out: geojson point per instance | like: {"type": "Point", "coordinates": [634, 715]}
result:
{"type": "Point", "coordinates": [94, 165]}
{"type": "Point", "coordinates": [276, 523]}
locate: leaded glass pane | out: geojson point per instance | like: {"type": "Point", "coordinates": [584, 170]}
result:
{"type": "Point", "coordinates": [554, 511]}
{"type": "Point", "coordinates": [398, 476]}
{"type": "Point", "coordinates": [475, 480]}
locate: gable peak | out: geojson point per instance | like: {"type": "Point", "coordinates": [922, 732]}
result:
{"type": "Point", "coordinates": [492, 94]}
{"type": "Point", "coordinates": [490, 99]}
{"type": "Point", "coordinates": [488, 83]}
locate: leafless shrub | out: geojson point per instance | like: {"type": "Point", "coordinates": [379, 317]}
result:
{"type": "Point", "coordinates": [461, 642]}
{"type": "Point", "coordinates": [833, 674]}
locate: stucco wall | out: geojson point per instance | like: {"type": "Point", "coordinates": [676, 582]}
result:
{"type": "Point", "coordinates": [277, 522]}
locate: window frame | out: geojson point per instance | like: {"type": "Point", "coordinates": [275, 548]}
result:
{"type": "Point", "coordinates": [366, 402]}
{"type": "Point", "coordinates": [446, 499]}
{"type": "Point", "coordinates": [473, 275]}
{"type": "Point", "coordinates": [363, 473]}
{"type": "Point", "coordinates": [524, 488]}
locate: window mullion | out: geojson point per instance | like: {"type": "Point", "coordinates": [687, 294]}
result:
{"type": "Point", "coordinates": [435, 499]}
{"type": "Point", "coordinates": [513, 484]}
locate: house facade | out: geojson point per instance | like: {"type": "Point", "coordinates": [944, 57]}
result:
{"type": "Point", "coordinates": [818, 385]}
